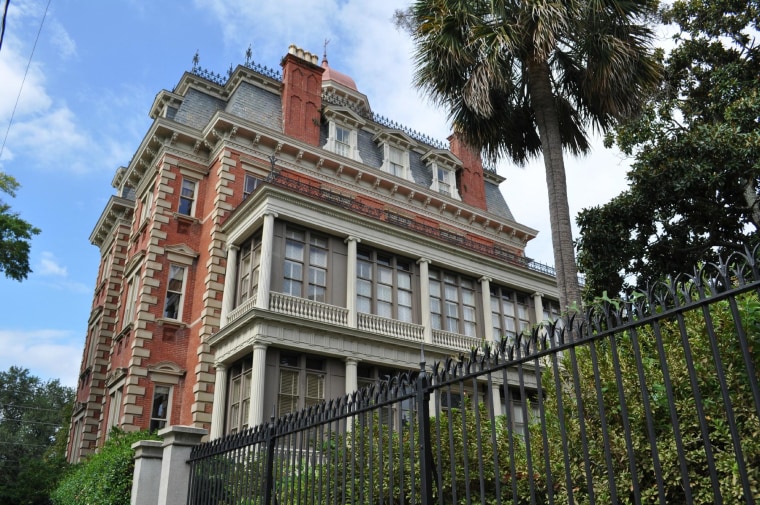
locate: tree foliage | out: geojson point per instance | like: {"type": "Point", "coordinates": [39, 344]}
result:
{"type": "Point", "coordinates": [104, 478]}
{"type": "Point", "coordinates": [15, 235]}
{"type": "Point", "coordinates": [523, 78]}
{"type": "Point", "coordinates": [34, 417]}
{"type": "Point", "coordinates": [694, 181]}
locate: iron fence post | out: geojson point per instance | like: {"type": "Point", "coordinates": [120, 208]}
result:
{"type": "Point", "coordinates": [425, 445]}
{"type": "Point", "coordinates": [269, 471]}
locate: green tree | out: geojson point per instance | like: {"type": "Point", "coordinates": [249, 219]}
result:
{"type": "Point", "coordinates": [523, 78]}
{"type": "Point", "coordinates": [104, 478]}
{"type": "Point", "coordinates": [15, 235]}
{"type": "Point", "coordinates": [34, 418]}
{"type": "Point", "coordinates": [693, 191]}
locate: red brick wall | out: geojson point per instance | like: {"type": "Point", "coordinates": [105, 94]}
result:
{"type": "Point", "coordinates": [301, 98]}
{"type": "Point", "coordinates": [471, 184]}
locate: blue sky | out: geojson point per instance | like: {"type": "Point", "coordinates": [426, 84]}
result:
{"type": "Point", "coordinates": [83, 111]}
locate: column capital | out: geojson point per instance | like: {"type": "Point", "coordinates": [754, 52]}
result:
{"type": "Point", "coordinates": [232, 247]}
{"type": "Point", "coordinates": [220, 367]}
{"type": "Point", "coordinates": [538, 294]}
{"type": "Point", "coordinates": [485, 278]}
{"type": "Point", "coordinates": [350, 360]}
{"type": "Point", "coordinates": [351, 238]}
{"type": "Point", "coordinates": [271, 213]}
{"type": "Point", "coordinates": [423, 260]}
{"type": "Point", "coordinates": [260, 345]}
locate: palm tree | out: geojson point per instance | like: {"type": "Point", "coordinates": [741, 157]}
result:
{"type": "Point", "coordinates": [523, 77]}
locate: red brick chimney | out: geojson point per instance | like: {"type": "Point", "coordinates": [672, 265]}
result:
{"type": "Point", "coordinates": [470, 181]}
{"type": "Point", "coordinates": [301, 95]}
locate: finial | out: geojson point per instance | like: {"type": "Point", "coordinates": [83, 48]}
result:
{"type": "Point", "coordinates": [196, 60]}
{"type": "Point", "coordinates": [324, 54]}
{"type": "Point", "coordinates": [229, 71]}
{"type": "Point", "coordinates": [248, 56]}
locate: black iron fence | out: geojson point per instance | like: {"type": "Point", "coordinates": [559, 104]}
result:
{"type": "Point", "coordinates": [656, 400]}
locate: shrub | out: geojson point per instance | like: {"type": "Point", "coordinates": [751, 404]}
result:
{"type": "Point", "coordinates": [105, 478]}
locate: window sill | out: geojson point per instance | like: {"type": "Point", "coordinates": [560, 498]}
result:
{"type": "Point", "coordinates": [186, 218]}
{"type": "Point", "coordinates": [124, 331]}
{"type": "Point", "coordinates": [165, 321]}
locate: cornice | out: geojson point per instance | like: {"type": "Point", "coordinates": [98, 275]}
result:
{"type": "Point", "coordinates": [118, 210]}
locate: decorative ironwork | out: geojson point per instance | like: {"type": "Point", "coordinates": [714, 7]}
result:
{"type": "Point", "coordinates": [617, 417]}
{"type": "Point", "coordinates": [377, 118]}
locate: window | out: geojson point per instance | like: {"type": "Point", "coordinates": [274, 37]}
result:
{"type": "Point", "coordinates": [397, 161]}
{"type": "Point", "coordinates": [305, 269]}
{"type": "Point", "coordinates": [114, 407]}
{"type": "Point", "coordinates": [159, 413]}
{"type": "Point", "coordinates": [342, 140]}
{"type": "Point", "coordinates": [384, 285]}
{"type": "Point", "coordinates": [523, 410]}
{"type": "Point", "coordinates": [187, 197]}
{"type": "Point", "coordinates": [130, 303]}
{"type": "Point", "coordinates": [147, 204]}
{"type": "Point", "coordinates": [302, 382]}
{"type": "Point", "coordinates": [509, 312]}
{"type": "Point", "coordinates": [105, 266]}
{"type": "Point", "coordinates": [250, 184]}
{"type": "Point", "coordinates": [452, 303]}
{"type": "Point", "coordinates": [239, 396]}
{"type": "Point", "coordinates": [248, 268]}
{"type": "Point", "coordinates": [174, 291]}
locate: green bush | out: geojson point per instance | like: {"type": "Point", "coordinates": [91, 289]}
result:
{"type": "Point", "coordinates": [105, 478]}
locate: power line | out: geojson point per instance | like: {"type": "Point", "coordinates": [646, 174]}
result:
{"type": "Point", "coordinates": [2, 28]}
{"type": "Point", "coordinates": [8, 405]}
{"type": "Point", "coordinates": [29, 63]}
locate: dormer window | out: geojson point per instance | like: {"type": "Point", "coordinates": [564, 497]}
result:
{"type": "Point", "coordinates": [446, 182]}
{"type": "Point", "coordinates": [396, 146]}
{"type": "Point", "coordinates": [397, 161]}
{"type": "Point", "coordinates": [343, 140]}
{"type": "Point", "coordinates": [443, 168]}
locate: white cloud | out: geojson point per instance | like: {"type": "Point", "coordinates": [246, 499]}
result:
{"type": "Point", "coordinates": [47, 353]}
{"type": "Point", "coordinates": [49, 266]}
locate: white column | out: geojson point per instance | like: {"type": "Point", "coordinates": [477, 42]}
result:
{"type": "Point", "coordinates": [351, 282]}
{"type": "Point", "coordinates": [485, 292]}
{"type": "Point", "coordinates": [496, 395]}
{"type": "Point", "coordinates": [258, 372]}
{"type": "Point", "coordinates": [265, 264]}
{"type": "Point", "coordinates": [220, 395]}
{"type": "Point", "coordinates": [352, 382]}
{"type": "Point", "coordinates": [230, 279]}
{"type": "Point", "coordinates": [426, 321]}
{"type": "Point", "coordinates": [538, 306]}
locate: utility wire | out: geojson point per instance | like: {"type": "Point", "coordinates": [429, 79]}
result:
{"type": "Point", "coordinates": [2, 27]}
{"type": "Point", "coordinates": [29, 63]}
{"type": "Point", "coordinates": [8, 405]}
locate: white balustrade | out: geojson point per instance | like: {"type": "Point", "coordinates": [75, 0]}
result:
{"type": "Point", "coordinates": [242, 309]}
{"type": "Point", "coordinates": [456, 341]}
{"type": "Point", "coordinates": [390, 327]}
{"type": "Point", "coordinates": [307, 309]}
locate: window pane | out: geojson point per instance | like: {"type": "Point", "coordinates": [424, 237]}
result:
{"type": "Point", "coordinates": [384, 275]}
{"type": "Point", "coordinates": [171, 309]}
{"type": "Point", "coordinates": [364, 270]}
{"type": "Point", "coordinates": [452, 292]}
{"type": "Point", "coordinates": [404, 281]}
{"type": "Point", "coordinates": [293, 270]}
{"type": "Point", "coordinates": [364, 288]}
{"type": "Point", "coordinates": [318, 257]}
{"type": "Point", "coordinates": [318, 276]}
{"type": "Point", "coordinates": [294, 250]}
{"type": "Point", "coordinates": [405, 298]}
{"type": "Point", "coordinates": [364, 305]}
{"type": "Point", "coordinates": [385, 309]}
{"type": "Point", "coordinates": [405, 314]}
{"type": "Point", "coordinates": [384, 293]}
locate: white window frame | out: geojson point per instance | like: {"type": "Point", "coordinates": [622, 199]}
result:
{"type": "Point", "coordinates": [388, 148]}
{"type": "Point", "coordinates": [130, 302]}
{"type": "Point", "coordinates": [115, 397]}
{"type": "Point", "coordinates": [147, 204]}
{"type": "Point", "coordinates": [180, 292]}
{"type": "Point", "coordinates": [352, 146]}
{"type": "Point", "coordinates": [191, 195]}
{"type": "Point", "coordinates": [448, 177]}
{"type": "Point", "coordinates": [154, 415]}
{"type": "Point", "coordinates": [250, 183]}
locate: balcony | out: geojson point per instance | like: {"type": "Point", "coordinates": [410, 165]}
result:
{"type": "Point", "coordinates": [309, 310]}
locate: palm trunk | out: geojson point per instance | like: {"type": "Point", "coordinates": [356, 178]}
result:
{"type": "Point", "coordinates": [542, 100]}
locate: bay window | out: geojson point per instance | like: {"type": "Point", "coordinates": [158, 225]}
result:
{"type": "Point", "coordinates": [249, 259]}
{"type": "Point", "coordinates": [302, 382]}
{"type": "Point", "coordinates": [305, 267]}
{"type": "Point", "coordinates": [509, 312]}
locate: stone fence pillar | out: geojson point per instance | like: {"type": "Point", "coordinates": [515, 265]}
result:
{"type": "Point", "coordinates": [147, 474]}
